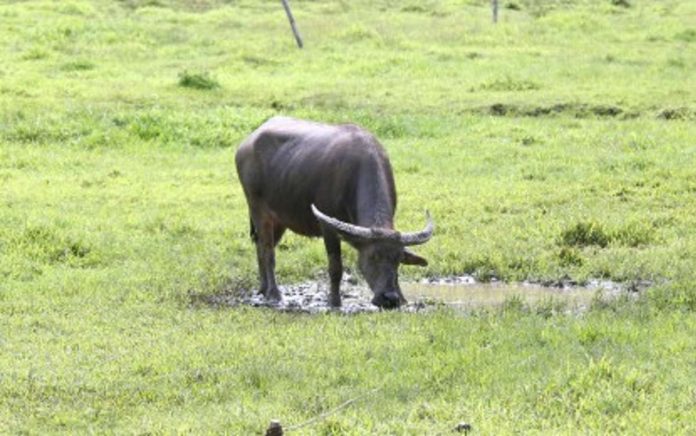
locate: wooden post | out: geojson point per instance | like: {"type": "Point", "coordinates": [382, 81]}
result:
{"type": "Point", "coordinates": [494, 4]}
{"type": "Point", "coordinates": [295, 32]}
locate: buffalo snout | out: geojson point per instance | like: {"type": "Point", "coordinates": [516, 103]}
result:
{"type": "Point", "coordinates": [387, 300]}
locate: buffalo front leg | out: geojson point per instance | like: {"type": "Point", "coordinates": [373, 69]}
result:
{"type": "Point", "coordinates": [265, 254]}
{"type": "Point", "coordinates": [333, 251]}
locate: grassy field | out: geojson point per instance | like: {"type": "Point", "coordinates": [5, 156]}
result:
{"type": "Point", "coordinates": [559, 144]}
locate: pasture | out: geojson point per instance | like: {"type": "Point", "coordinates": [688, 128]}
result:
{"type": "Point", "coordinates": [558, 145]}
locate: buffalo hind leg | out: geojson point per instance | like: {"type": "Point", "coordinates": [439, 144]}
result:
{"type": "Point", "coordinates": [268, 234]}
{"type": "Point", "coordinates": [333, 251]}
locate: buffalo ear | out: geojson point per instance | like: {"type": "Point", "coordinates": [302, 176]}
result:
{"type": "Point", "coordinates": [411, 258]}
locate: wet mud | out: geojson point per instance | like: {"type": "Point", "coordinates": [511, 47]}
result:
{"type": "Point", "coordinates": [459, 292]}
{"type": "Point", "coordinates": [310, 297]}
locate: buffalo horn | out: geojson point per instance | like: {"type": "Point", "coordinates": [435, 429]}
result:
{"type": "Point", "coordinates": [342, 227]}
{"type": "Point", "coordinates": [421, 237]}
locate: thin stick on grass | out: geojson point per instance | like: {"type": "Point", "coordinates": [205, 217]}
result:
{"type": "Point", "coordinates": [332, 411]}
{"type": "Point", "coordinates": [295, 32]}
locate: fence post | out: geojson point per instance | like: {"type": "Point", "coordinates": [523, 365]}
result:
{"type": "Point", "coordinates": [494, 4]}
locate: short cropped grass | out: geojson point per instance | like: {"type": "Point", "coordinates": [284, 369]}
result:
{"type": "Point", "coordinates": [555, 145]}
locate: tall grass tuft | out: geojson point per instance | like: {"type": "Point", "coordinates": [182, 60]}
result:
{"type": "Point", "coordinates": [202, 81]}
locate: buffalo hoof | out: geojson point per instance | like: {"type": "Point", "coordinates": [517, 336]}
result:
{"type": "Point", "coordinates": [335, 301]}
{"type": "Point", "coordinates": [388, 300]}
{"type": "Point", "coordinates": [272, 295]}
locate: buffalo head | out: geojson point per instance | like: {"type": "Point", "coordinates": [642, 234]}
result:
{"type": "Point", "coordinates": [380, 251]}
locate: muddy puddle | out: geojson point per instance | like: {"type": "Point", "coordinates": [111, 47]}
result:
{"type": "Point", "coordinates": [309, 297]}
{"type": "Point", "coordinates": [460, 292]}
{"type": "Point", "coordinates": [465, 293]}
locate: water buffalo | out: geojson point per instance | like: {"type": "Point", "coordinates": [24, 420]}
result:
{"type": "Point", "coordinates": [333, 181]}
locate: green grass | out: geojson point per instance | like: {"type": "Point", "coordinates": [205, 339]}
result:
{"type": "Point", "coordinates": [556, 144]}
{"type": "Point", "coordinates": [197, 81]}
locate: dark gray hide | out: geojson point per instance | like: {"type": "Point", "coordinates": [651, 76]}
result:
{"type": "Point", "coordinates": [333, 181]}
